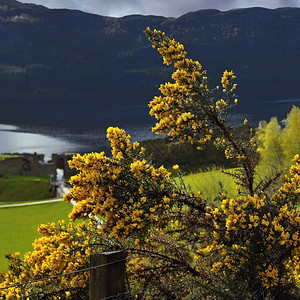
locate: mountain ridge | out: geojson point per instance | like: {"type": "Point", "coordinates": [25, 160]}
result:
{"type": "Point", "coordinates": [84, 63]}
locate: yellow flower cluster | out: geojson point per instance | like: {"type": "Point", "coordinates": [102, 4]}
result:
{"type": "Point", "coordinates": [221, 104]}
{"type": "Point", "coordinates": [290, 191]}
{"type": "Point", "coordinates": [227, 81]}
{"type": "Point", "coordinates": [187, 110]}
{"type": "Point", "coordinates": [129, 194]}
{"type": "Point", "coordinates": [269, 276]}
{"type": "Point", "coordinates": [170, 49]}
{"type": "Point", "coordinates": [250, 231]}
{"type": "Point", "coordinates": [62, 248]}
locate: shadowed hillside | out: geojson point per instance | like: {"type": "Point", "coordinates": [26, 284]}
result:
{"type": "Point", "coordinates": [59, 65]}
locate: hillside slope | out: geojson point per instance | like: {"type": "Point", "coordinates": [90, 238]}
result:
{"type": "Point", "coordinates": [61, 65]}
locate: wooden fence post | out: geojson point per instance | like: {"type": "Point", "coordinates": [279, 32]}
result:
{"type": "Point", "coordinates": [107, 280]}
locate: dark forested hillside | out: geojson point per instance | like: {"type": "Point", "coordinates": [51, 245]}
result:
{"type": "Point", "coordinates": [66, 64]}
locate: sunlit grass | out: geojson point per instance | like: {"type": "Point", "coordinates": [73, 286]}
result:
{"type": "Point", "coordinates": [211, 184]}
{"type": "Point", "coordinates": [19, 188]}
{"type": "Point", "coordinates": [18, 226]}
{"type": "Point", "coordinates": [3, 156]}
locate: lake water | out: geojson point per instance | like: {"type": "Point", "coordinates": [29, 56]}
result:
{"type": "Point", "coordinates": [51, 139]}
{"type": "Point", "coordinates": [65, 139]}
{"type": "Point", "coordinates": [59, 139]}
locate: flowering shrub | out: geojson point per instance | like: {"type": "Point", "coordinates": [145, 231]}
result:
{"type": "Point", "coordinates": [258, 238]}
{"type": "Point", "coordinates": [190, 111]}
{"type": "Point", "coordinates": [63, 248]}
{"type": "Point", "coordinates": [253, 239]}
{"type": "Point", "coordinates": [126, 191]}
{"type": "Point", "coordinates": [178, 246]}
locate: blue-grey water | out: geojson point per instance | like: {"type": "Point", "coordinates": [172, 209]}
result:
{"type": "Point", "coordinates": [51, 139]}
{"type": "Point", "coordinates": [48, 140]}
{"type": "Point", "coordinates": [59, 139]}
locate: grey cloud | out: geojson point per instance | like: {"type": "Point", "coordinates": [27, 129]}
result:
{"type": "Point", "coordinates": [173, 8]}
{"type": "Point", "coordinates": [114, 7]}
{"type": "Point", "coordinates": [72, 4]}
{"type": "Point", "coordinates": [266, 3]}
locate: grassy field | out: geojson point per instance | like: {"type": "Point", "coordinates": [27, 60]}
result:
{"type": "Point", "coordinates": [18, 226]}
{"type": "Point", "coordinates": [3, 156]}
{"type": "Point", "coordinates": [208, 183]}
{"type": "Point", "coordinates": [19, 188]}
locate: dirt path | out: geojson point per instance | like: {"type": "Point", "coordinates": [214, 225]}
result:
{"type": "Point", "coordinates": [30, 203]}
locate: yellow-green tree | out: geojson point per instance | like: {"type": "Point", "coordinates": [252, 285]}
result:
{"type": "Point", "coordinates": [291, 133]}
{"type": "Point", "coordinates": [270, 140]}
{"type": "Point", "coordinates": [278, 144]}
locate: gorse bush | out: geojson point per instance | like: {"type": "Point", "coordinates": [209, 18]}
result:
{"type": "Point", "coordinates": [178, 247]}
{"type": "Point", "coordinates": [258, 238]}
{"type": "Point", "coordinates": [125, 190]}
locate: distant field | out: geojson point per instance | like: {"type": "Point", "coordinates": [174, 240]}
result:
{"type": "Point", "coordinates": [18, 226]}
{"type": "Point", "coordinates": [19, 188]}
{"type": "Point", "coordinates": [3, 156]}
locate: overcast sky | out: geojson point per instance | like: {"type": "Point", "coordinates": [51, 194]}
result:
{"type": "Point", "coordinates": [167, 8]}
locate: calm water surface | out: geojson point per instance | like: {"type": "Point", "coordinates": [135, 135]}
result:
{"type": "Point", "coordinates": [50, 139]}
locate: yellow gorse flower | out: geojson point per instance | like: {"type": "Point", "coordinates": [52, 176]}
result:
{"type": "Point", "coordinates": [256, 221]}
{"type": "Point", "coordinates": [99, 188]}
{"type": "Point", "coordinates": [183, 108]}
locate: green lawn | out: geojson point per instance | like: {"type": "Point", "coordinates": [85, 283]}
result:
{"type": "Point", "coordinates": [18, 226]}
{"type": "Point", "coordinates": [19, 188]}
{"type": "Point", "coordinates": [208, 183]}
